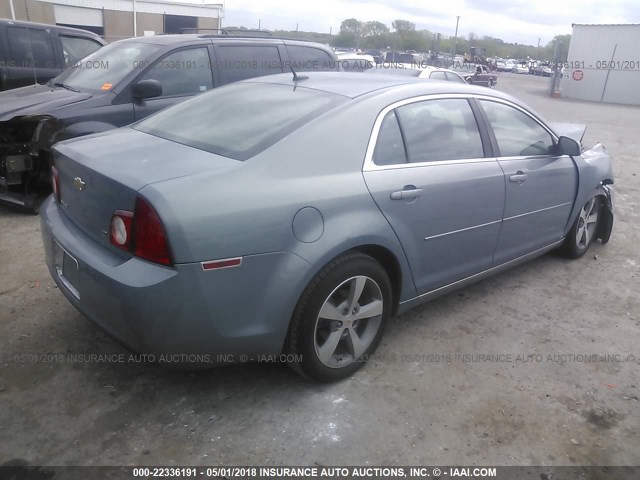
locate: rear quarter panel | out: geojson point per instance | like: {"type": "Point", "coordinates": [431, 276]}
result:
{"type": "Point", "coordinates": [251, 209]}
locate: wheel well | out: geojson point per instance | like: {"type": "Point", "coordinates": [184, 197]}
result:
{"type": "Point", "coordinates": [390, 264]}
{"type": "Point", "coordinates": [606, 223]}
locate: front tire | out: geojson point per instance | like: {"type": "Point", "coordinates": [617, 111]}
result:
{"type": "Point", "coordinates": [583, 230]}
{"type": "Point", "coordinates": [340, 318]}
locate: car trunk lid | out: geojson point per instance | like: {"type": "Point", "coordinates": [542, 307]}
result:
{"type": "Point", "coordinates": [103, 173]}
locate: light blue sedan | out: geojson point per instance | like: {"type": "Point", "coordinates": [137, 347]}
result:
{"type": "Point", "coordinates": [297, 214]}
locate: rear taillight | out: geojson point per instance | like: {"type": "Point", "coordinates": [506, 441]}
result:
{"type": "Point", "coordinates": [150, 239]}
{"type": "Point", "coordinates": [55, 183]}
{"type": "Point", "coordinates": [141, 232]}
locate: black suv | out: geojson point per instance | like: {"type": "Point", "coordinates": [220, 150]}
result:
{"type": "Point", "coordinates": [34, 53]}
{"type": "Point", "coordinates": [126, 81]}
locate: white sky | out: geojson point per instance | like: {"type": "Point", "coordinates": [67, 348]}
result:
{"type": "Point", "coordinates": [521, 21]}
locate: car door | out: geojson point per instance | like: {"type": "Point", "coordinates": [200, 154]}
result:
{"type": "Point", "coordinates": [540, 186]}
{"type": "Point", "coordinates": [430, 171]}
{"type": "Point", "coordinates": [182, 74]}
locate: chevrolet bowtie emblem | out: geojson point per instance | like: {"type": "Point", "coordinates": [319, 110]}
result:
{"type": "Point", "coordinates": [78, 183]}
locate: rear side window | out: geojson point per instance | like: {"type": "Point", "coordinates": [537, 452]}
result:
{"type": "Point", "coordinates": [185, 72]}
{"type": "Point", "coordinates": [517, 134]}
{"type": "Point", "coordinates": [241, 120]}
{"type": "Point", "coordinates": [307, 59]}
{"type": "Point", "coordinates": [437, 76]}
{"type": "Point", "coordinates": [76, 48]}
{"type": "Point", "coordinates": [440, 130]}
{"type": "Point", "coordinates": [389, 147]}
{"type": "Point", "coordinates": [29, 47]}
{"type": "Point", "coordinates": [452, 77]}
{"type": "Point", "coordinates": [238, 62]}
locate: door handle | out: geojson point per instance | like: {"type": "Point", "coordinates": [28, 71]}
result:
{"type": "Point", "coordinates": [518, 177]}
{"type": "Point", "coordinates": [409, 193]}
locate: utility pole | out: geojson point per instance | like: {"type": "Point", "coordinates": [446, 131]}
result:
{"type": "Point", "coordinates": [538, 48]}
{"type": "Point", "coordinates": [455, 39]}
{"type": "Point", "coordinates": [135, 20]}
{"type": "Point", "coordinates": [260, 24]}
{"type": "Point", "coordinates": [13, 12]}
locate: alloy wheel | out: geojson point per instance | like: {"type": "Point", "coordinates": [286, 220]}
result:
{"type": "Point", "coordinates": [348, 321]}
{"type": "Point", "coordinates": [587, 223]}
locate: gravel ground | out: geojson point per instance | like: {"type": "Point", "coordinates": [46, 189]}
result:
{"type": "Point", "coordinates": [435, 396]}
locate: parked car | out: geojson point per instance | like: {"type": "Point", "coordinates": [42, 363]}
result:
{"type": "Point", "coordinates": [520, 68]}
{"type": "Point", "coordinates": [355, 62]}
{"type": "Point", "coordinates": [377, 55]}
{"type": "Point", "coordinates": [397, 57]}
{"type": "Point", "coordinates": [504, 66]}
{"type": "Point", "coordinates": [477, 74]}
{"type": "Point", "coordinates": [125, 82]}
{"type": "Point", "coordinates": [35, 53]}
{"type": "Point", "coordinates": [543, 70]}
{"type": "Point", "coordinates": [232, 224]}
{"type": "Point", "coordinates": [414, 70]}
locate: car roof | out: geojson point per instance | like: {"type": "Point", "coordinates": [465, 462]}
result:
{"type": "Point", "coordinates": [352, 85]}
{"type": "Point", "coordinates": [19, 23]}
{"type": "Point", "coordinates": [178, 38]}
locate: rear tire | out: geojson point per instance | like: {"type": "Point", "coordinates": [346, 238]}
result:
{"type": "Point", "coordinates": [584, 229]}
{"type": "Point", "coordinates": [340, 318]}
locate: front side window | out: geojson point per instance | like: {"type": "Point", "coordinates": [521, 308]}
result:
{"type": "Point", "coordinates": [517, 134]}
{"type": "Point", "coordinates": [241, 120]}
{"type": "Point", "coordinates": [440, 130]}
{"type": "Point", "coordinates": [75, 49]}
{"type": "Point", "coordinates": [30, 47]}
{"type": "Point", "coordinates": [389, 146]}
{"type": "Point", "coordinates": [185, 72]}
{"type": "Point", "coordinates": [236, 62]}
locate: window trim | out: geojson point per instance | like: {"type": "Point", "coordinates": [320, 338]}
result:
{"type": "Point", "coordinates": [369, 165]}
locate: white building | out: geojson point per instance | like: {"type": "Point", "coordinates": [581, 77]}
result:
{"type": "Point", "coordinates": [117, 19]}
{"type": "Point", "coordinates": [603, 64]}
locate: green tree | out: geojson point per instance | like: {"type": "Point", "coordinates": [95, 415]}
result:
{"type": "Point", "coordinates": [403, 26]}
{"type": "Point", "coordinates": [562, 42]}
{"type": "Point", "coordinates": [374, 29]}
{"type": "Point", "coordinates": [352, 26]}
{"type": "Point", "coordinates": [350, 33]}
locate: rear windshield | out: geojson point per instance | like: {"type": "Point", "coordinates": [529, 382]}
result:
{"type": "Point", "coordinates": [240, 120]}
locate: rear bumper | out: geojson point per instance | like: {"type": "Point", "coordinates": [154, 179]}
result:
{"type": "Point", "coordinates": [152, 309]}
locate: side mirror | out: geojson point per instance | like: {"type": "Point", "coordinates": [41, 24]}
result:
{"type": "Point", "coordinates": [469, 80]}
{"type": "Point", "coordinates": [147, 89]}
{"type": "Point", "coordinates": [568, 146]}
